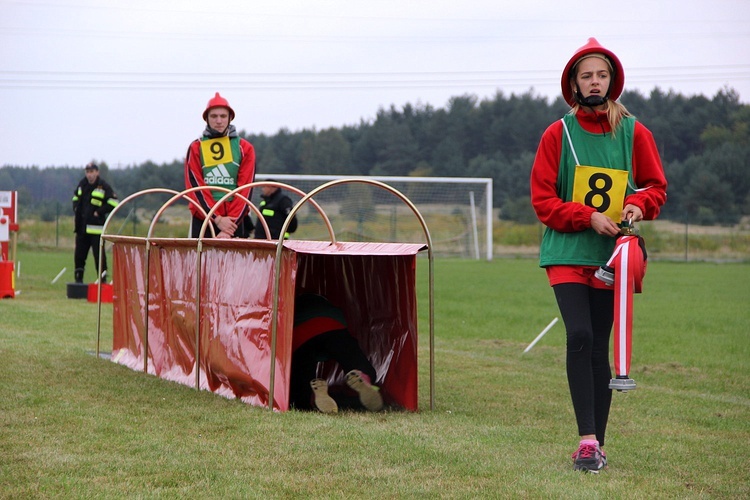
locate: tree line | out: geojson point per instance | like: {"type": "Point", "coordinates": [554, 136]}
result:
{"type": "Point", "coordinates": [704, 144]}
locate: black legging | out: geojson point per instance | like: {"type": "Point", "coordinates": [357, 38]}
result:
{"type": "Point", "coordinates": [588, 314]}
{"type": "Point", "coordinates": [337, 345]}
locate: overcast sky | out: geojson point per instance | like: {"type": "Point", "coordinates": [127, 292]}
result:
{"type": "Point", "coordinates": [125, 82]}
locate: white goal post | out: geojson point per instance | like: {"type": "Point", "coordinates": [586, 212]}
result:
{"type": "Point", "coordinates": [457, 211]}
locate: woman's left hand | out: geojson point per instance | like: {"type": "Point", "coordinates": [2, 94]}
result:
{"type": "Point", "coordinates": [631, 213]}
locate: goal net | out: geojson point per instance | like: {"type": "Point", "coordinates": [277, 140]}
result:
{"type": "Point", "coordinates": [456, 210]}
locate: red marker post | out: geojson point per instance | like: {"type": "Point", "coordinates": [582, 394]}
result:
{"type": "Point", "coordinates": [8, 232]}
{"type": "Point", "coordinates": [625, 271]}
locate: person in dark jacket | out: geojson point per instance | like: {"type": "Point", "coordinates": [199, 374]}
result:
{"type": "Point", "coordinates": [275, 207]}
{"type": "Point", "coordinates": [93, 200]}
{"type": "Point", "coordinates": [320, 334]}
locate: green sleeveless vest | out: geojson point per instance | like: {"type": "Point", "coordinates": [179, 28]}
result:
{"type": "Point", "coordinates": [223, 174]}
{"type": "Point", "coordinates": [586, 248]}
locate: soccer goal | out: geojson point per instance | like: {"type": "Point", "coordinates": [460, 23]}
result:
{"type": "Point", "coordinates": [457, 210]}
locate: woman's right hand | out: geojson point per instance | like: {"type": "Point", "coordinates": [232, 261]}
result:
{"type": "Point", "coordinates": [603, 225]}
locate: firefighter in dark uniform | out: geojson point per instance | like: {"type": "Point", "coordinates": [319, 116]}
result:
{"type": "Point", "coordinates": [93, 200]}
{"type": "Point", "coordinates": [275, 207]}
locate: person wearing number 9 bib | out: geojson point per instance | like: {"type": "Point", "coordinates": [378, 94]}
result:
{"type": "Point", "coordinates": [220, 158]}
{"type": "Point", "coordinates": [594, 168]}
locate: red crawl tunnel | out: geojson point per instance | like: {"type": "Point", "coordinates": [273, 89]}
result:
{"type": "Point", "coordinates": [241, 351]}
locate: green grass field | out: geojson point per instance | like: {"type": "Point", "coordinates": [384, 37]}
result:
{"type": "Point", "coordinates": [75, 426]}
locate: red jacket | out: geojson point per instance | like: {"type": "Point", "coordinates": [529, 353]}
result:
{"type": "Point", "coordinates": [569, 216]}
{"type": "Point", "coordinates": [236, 208]}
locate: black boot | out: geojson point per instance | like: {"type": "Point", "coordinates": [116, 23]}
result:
{"type": "Point", "coordinates": [79, 275]}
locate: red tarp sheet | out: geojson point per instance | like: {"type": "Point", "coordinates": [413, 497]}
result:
{"type": "Point", "coordinates": [375, 284]}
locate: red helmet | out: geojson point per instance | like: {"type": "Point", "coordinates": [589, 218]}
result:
{"type": "Point", "coordinates": [593, 47]}
{"type": "Point", "coordinates": [216, 102]}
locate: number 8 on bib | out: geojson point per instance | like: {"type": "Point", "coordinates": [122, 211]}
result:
{"type": "Point", "coordinates": [601, 188]}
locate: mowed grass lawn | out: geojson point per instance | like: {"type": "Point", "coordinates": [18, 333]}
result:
{"type": "Point", "coordinates": [75, 426]}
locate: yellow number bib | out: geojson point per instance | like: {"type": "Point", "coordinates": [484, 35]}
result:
{"type": "Point", "coordinates": [216, 151]}
{"type": "Point", "coordinates": [601, 188]}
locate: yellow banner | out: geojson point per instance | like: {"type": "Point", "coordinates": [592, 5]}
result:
{"type": "Point", "coordinates": [601, 188]}
{"type": "Point", "coordinates": [216, 151]}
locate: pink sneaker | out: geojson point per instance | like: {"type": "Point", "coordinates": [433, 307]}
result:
{"type": "Point", "coordinates": [589, 457]}
{"type": "Point", "coordinates": [369, 395]}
